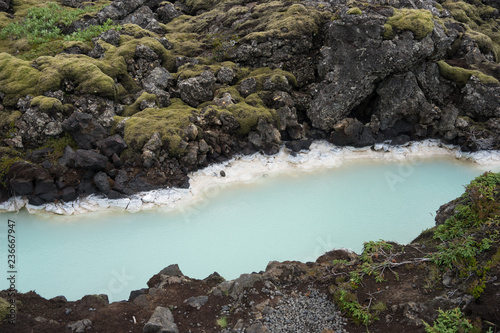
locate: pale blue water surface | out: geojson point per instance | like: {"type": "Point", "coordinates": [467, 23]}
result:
{"type": "Point", "coordinates": [288, 217]}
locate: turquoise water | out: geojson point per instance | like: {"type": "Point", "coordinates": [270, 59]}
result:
{"type": "Point", "coordinates": [235, 230]}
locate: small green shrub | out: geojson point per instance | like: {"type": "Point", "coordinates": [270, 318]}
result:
{"type": "Point", "coordinates": [348, 303]}
{"type": "Point", "coordinates": [450, 321]}
{"type": "Point", "coordinates": [42, 24]}
{"type": "Point", "coordinates": [92, 31]}
{"type": "Point", "coordinates": [222, 322]}
{"type": "Point", "coordinates": [470, 232]}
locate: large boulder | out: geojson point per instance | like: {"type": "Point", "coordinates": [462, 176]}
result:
{"type": "Point", "coordinates": [89, 159]}
{"type": "Point", "coordinates": [22, 177]}
{"type": "Point", "coordinates": [4, 5]}
{"type": "Point", "coordinates": [101, 181]}
{"type": "Point", "coordinates": [351, 132]}
{"type": "Point", "coordinates": [158, 79]}
{"type": "Point", "coordinates": [84, 129]}
{"type": "Point", "coordinates": [166, 12]}
{"type": "Point", "coordinates": [401, 98]}
{"type": "Point", "coordinates": [112, 145]}
{"type": "Point", "coordinates": [162, 320]}
{"type": "Point", "coordinates": [197, 90]}
{"type": "Point", "coordinates": [117, 10]}
{"type": "Point", "coordinates": [356, 57]}
{"type": "Point", "coordinates": [480, 101]}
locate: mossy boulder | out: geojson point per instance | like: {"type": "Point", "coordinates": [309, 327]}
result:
{"type": "Point", "coordinates": [47, 104]}
{"type": "Point", "coordinates": [9, 118]}
{"type": "Point", "coordinates": [354, 11]}
{"type": "Point", "coordinates": [288, 22]}
{"type": "Point", "coordinates": [481, 23]}
{"type": "Point", "coordinates": [275, 76]}
{"type": "Point", "coordinates": [462, 75]}
{"type": "Point", "coordinates": [136, 106]}
{"type": "Point", "coordinates": [168, 122]}
{"type": "Point", "coordinates": [90, 76]}
{"type": "Point", "coordinates": [128, 46]}
{"type": "Point", "coordinates": [18, 79]}
{"type": "Point", "coordinates": [418, 21]}
{"type": "Point", "coordinates": [248, 115]}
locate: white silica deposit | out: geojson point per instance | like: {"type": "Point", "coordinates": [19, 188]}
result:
{"type": "Point", "coordinates": [249, 169]}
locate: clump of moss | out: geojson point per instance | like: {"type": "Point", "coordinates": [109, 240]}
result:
{"type": "Point", "coordinates": [197, 5]}
{"type": "Point", "coordinates": [197, 24]}
{"type": "Point", "coordinates": [128, 46]}
{"type": "Point", "coordinates": [8, 156]}
{"type": "Point", "coordinates": [47, 104]}
{"type": "Point", "coordinates": [188, 70]}
{"type": "Point", "coordinates": [167, 121]}
{"type": "Point", "coordinates": [480, 22]}
{"type": "Point", "coordinates": [354, 11]}
{"type": "Point", "coordinates": [292, 21]}
{"type": "Point", "coordinates": [264, 73]}
{"type": "Point", "coordinates": [4, 308]}
{"type": "Point", "coordinates": [248, 115]}
{"type": "Point", "coordinates": [462, 75]}
{"type": "Point", "coordinates": [418, 21]}
{"type": "Point", "coordinates": [134, 107]}
{"type": "Point", "coordinates": [9, 118]}
{"type": "Point", "coordinates": [17, 79]}
{"type": "Point", "coordinates": [58, 145]}
{"type": "Point", "coordinates": [136, 31]}
{"type": "Point", "coordinates": [90, 76]}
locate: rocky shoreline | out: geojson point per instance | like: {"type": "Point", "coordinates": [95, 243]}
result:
{"type": "Point", "coordinates": [243, 169]}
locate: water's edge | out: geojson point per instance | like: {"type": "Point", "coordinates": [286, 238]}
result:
{"type": "Point", "coordinates": [248, 169]}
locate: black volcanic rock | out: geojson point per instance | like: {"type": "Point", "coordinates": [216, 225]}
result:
{"type": "Point", "coordinates": [84, 129]}
{"type": "Point", "coordinates": [89, 159]}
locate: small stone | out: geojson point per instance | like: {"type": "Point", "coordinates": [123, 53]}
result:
{"type": "Point", "coordinates": [172, 270]}
{"type": "Point", "coordinates": [196, 302]}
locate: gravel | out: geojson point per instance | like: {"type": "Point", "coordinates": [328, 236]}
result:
{"type": "Point", "coordinates": [301, 313]}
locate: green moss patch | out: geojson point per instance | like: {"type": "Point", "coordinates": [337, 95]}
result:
{"type": "Point", "coordinates": [90, 76]}
{"type": "Point", "coordinates": [17, 79]}
{"type": "Point", "coordinates": [462, 75]}
{"type": "Point", "coordinates": [197, 5]}
{"type": "Point", "coordinates": [169, 122]}
{"type": "Point", "coordinates": [4, 308]}
{"type": "Point", "coordinates": [187, 23]}
{"type": "Point", "coordinates": [188, 70]}
{"type": "Point", "coordinates": [47, 104]}
{"type": "Point", "coordinates": [480, 24]}
{"type": "Point", "coordinates": [296, 20]}
{"type": "Point", "coordinates": [9, 118]}
{"type": "Point", "coordinates": [263, 73]}
{"type": "Point", "coordinates": [128, 46]}
{"type": "Point", "coordinates": [136, 31]}
{"type": "Point", "coordinates": [354, 11]}
{"type": "Point", "coordinates": [134, 108]}
{"type": "Point", "coordinates": [418, 21]}
{"type": "Point", "coordinates": [248, 115]}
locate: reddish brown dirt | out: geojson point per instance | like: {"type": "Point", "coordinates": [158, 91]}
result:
{"type": "Point", "coordinates": [415, 284]}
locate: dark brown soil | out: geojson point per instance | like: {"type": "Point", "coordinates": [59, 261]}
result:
{"type": "Point", "coordinates": [410, 297]}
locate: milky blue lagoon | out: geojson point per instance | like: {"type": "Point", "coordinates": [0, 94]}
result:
{"type": "Point", "coordinates": [236, 229]}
